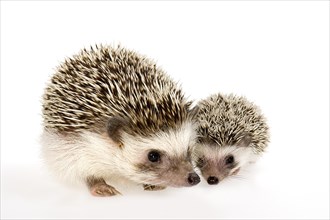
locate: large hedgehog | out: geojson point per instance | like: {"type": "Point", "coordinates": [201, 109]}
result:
{"type": "Point", "coordinates": [111, 112]}
{"type": "Point", "coordinates": [232, 133]}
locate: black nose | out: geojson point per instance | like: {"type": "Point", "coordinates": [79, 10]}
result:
{"type": "Point", "coordinates": [212, 180]}
{"type": "Point", "coordinates": [193, 179]}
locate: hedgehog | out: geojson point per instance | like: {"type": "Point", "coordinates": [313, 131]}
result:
{"type": "Point", "coordinates": [232, 133]}
{"type": "Point", "coordinates": [110, 112]}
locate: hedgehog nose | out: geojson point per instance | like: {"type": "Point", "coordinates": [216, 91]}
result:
{"type": "Point", "coordinates": [212, 180]}
{"type": "Point", "coordinates": [193, 179]}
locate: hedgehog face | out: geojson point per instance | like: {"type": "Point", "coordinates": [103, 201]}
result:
{"type": "Point", "coordinates": [161, 159]}
{"type": "Point", "coordinates": [216, 163]}
{"type": "Point", "coordinates": [168, 169]}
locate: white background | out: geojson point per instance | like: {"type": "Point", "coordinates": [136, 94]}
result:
{"type": "Point", "coordinates": [274, 53]}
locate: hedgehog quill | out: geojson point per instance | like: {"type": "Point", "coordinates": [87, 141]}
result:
{"type": "Point", "coordinates": [109, 111]}
{"type": "Point", "coordinates": [232, 133]}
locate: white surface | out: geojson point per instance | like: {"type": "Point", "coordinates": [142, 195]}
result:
{"type": "Point", "coordinates": [274, 53]}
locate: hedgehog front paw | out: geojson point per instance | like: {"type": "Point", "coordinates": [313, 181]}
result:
{"type": "Point", "coordinates": [103, 190]}
{"type": "Point", "coordinates": [98, 187]}
{"type": "Point", "coordinates": [149, 187]}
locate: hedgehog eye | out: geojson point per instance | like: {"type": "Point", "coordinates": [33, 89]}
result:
{"type": "Point", "coordinates": [200, 162]}
{"type": "Point", "coordinates": [230, 159]}
{"type": "Point", "coordinates": [154, 156]}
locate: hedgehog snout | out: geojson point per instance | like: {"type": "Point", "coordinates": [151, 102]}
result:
{"type": "Point", "coordinates": [193, 179]}
{"type": "Point", "coordinates": [212, 180]}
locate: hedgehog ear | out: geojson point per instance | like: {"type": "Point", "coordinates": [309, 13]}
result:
{"type": "Point", "coordinates": [245, 141]}
{"type": "Point", "coordinates": [115, 126]}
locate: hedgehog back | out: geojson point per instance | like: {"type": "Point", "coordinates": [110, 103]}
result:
{"type": "Point", "coordinates": [103, 82]}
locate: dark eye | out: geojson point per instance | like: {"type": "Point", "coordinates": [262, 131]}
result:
{"type": "Point", "coordinates": [154, 156]}
{"type": "Point", "coordinates": [200, 162]}
{"type": "Point", "coordinates": [230, 159]}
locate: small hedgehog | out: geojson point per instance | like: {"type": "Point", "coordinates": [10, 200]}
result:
{"type": "Point", "coordinates": [232, 133]}
{"type": "Point", "coordinates": [110, 112]}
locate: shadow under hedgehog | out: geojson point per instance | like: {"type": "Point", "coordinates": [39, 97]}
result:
{"type": "Point", "coordinates": [109, 112]}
